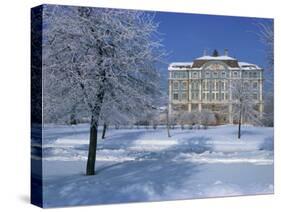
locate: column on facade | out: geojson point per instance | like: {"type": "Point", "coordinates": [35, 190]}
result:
{"type": "Point", "coordinates": [200, 95]}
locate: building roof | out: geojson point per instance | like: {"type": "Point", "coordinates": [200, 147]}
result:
{"type": "Point", "coordinates": [199, 62]}
{"type": "Point", "coordinates": [180, 65]}
{"type": "Point", "coordinates": [248, 66]}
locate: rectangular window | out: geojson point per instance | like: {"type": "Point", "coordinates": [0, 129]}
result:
{"type": "Point", "coordinates": [250, 74]}
{"type": "Point", "coordinates": [176, 85]}
{"type": "Point", "coordinates": [183, 96]}
{"type": "Point", "coordinates": [176, 96]}
{"type": "Point", "coordinates": [222, 96]}
{"type": "Point", "coordinates": [215, 75]}
{"type": "Point", "coordinates": [255, 96]}
{"type": "Point", "coordinates": [184, 85]}
{"type": "Point", "coordinates": [194, 74]}
{"type": "Point", "coordinates": [255, 85]}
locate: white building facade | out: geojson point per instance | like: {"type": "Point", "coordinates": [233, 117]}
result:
{"type": "Point", "coordinates": [205, 83]}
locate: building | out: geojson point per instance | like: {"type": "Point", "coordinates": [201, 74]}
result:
{"type": "Point", "coordinates": [204, 84]}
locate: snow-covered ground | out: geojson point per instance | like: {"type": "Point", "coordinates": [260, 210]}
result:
{"type": "Point", "coordinates": [145, 165]}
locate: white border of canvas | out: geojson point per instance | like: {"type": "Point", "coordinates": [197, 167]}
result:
{"type": "Point", "coordinates": [15, 103]}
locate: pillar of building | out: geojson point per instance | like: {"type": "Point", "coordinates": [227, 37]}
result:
{"type": "Point", "coordinates": [261, 110]}
{"type": "Point", "coordinates": [200, 95]}
{"type": "Point", "coordinates": [230, 117]}
{"type": "Point", "coordinates": [189, 107]}
{"type": "Point", "coordinates": [199, 107]}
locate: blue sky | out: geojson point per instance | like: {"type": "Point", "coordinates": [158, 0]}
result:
{"type": "Point", "coordinates": [185, 36]}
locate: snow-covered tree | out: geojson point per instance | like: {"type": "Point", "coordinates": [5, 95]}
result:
{"type": "Point", "coordinates": [206, 118]}
{"type": "Point", "coordinates": [96, 58]}
{"type": "Point", "coordinates": [244, 104]}
{"type": "Point", "coordinates": [266, 35]}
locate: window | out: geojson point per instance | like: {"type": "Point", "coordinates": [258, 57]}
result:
{"type": "Point", "coordinates": [226, 96]}
{"type": "Point", "coordinates": [213, 95]}
{"type": "Point", "coordinates": [183, 96]}
{"type": "Point", "coordinates": [255, 85]}
{"type": "Point", "coordinates": [207, 74]}
{"type": "Point", "coordinates": [194, 95]}
{"type": "Point", "coordinates": [215, 75]}
{"type": "Point", "coordinates": [235, 74]}
{"type": "Point", "coordinates": [250, 74]}
{"type": "Point", "coordinates": [176, 85]}
{"type": "Point", "coordinates": [203, 96]}
{"type": "Point", "coordinates": [184, 85]}
{"type": "Point", "coordinates": [255, 74]}
{"type": "Point", "coordinates": [194, 74]}
{"type": "Point", "coordinates": [217, 85]}
{"type": "Point", "coordinates": [176, 96]}
{"type": "Point", "coordinates": [222, 96]}
{"type": "Point", "coordinates": [246, 85]}
{"type": "Point", "coordinates": [255, 96]}
{"type": "Point", "coordinates": [223, 74]}
{"type": "Point", "coordinates": [217, 96]}
{"type": "Point", "coordinates": [204, 85]}
{"type": "Point", "coordinates": [222, 85]}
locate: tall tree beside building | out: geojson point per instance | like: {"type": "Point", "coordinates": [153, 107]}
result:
{"type": "Point", "coordinates": [266, 35]}
{"type": "Point", "coordinates": [244, 104]}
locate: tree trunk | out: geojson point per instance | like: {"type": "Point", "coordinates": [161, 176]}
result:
{"type": "Point", "coordinates": [94, 133]}
{"type": "Point", "coordinates": [73, 120]}
{"type": "Point", "coordinates": [104, 131]}
{"type": "Point", "coordinates": [168, 124]}
{"type": "Point", "coordinates": [92, 150]}
{"type": "Point", "coordinates": [239, 124]}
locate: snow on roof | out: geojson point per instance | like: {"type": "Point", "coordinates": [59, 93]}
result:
{"type": "Point", "coordinates": [181, 65]}
{"type": "Point", "coordinates": [207, 57]}
{"type": "Point", "coordinates": [248, 66]}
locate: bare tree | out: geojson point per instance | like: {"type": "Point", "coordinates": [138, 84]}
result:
{"type": "Point", "coordinates": [206, 118]}
{"type": "Point", "coordinates": [244, 104]}
{"type": "Point", "coordinates": [99, 57]}
{"type": "Point", "coordinates": [266, 35]}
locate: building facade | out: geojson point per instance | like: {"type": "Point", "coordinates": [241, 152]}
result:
{"type": "Point", "coordinates": [205, 84]}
